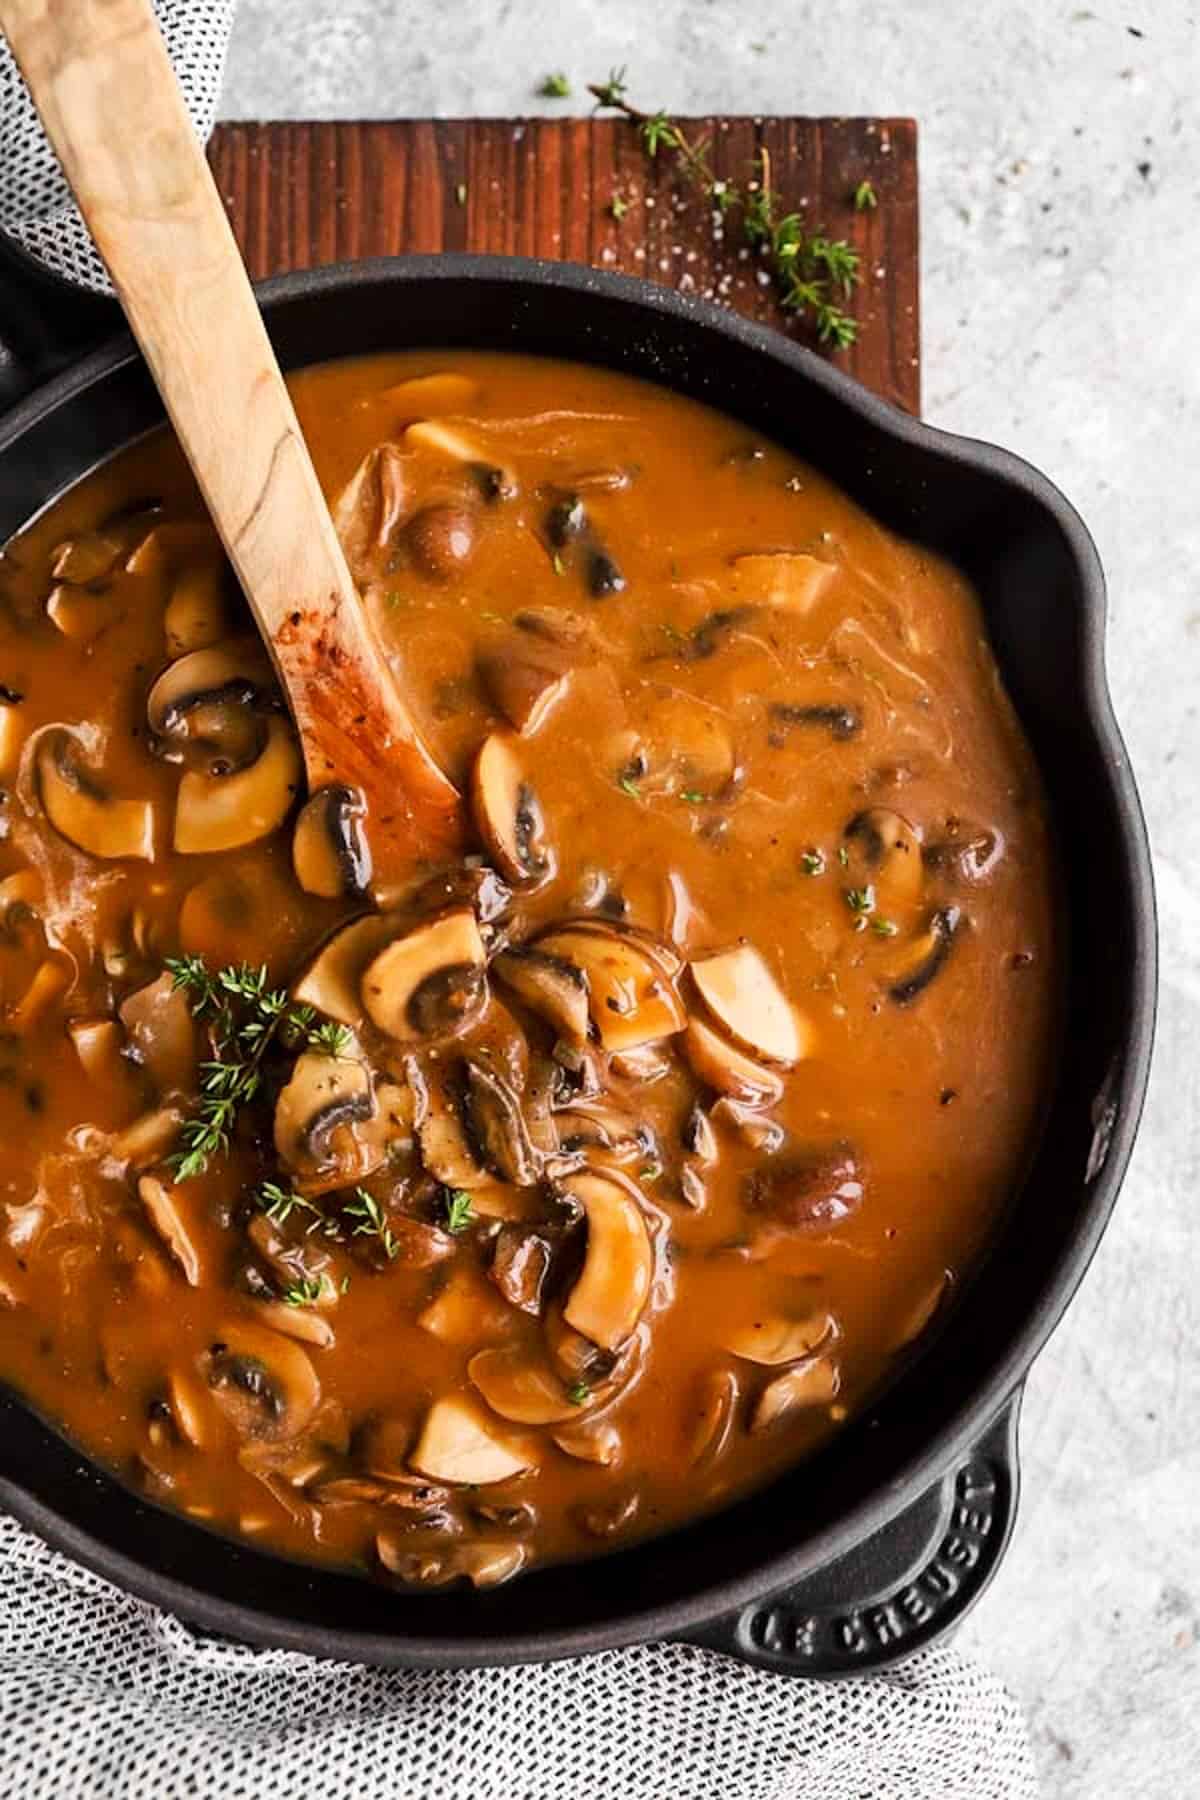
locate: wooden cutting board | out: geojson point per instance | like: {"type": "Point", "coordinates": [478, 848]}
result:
{"type": "Point", "coordinates": [303, 194]}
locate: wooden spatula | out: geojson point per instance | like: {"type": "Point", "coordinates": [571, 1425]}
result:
{"type": "Point", "coordinates": [101, 79]}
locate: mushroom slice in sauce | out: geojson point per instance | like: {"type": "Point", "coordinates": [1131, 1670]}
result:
{"type": "Point", "coordinates": [202, 708]}
{"type": "Point", "coordinates": [12, 732]}
{"type": "Point", "coordinates": [812, 1383]}
{"type": "Point", "coordinates": [525, 681]}
{"type": "Point", "coordinates": [925, 956]}
{"type": "Point", "coordinates": [773, 1341]}
{"type": "Point", "coordinates": [508, 815]}
{"type": "Point", "coordinates": [457, 1445]}
{"type": "Point", "coordinates": [631, 996]}
{"type": "Point", "coordinates": [496, 1127]}
{"type": "Point", "coordinates": [521, 1258]}
{"type": "Point", "coordinates": [742, 995]}
{"type": "Point", "coordinates": [431, 983]}
{"type": "Point", "coordinates": [728, 1069]}
{"type": "Point", "coordinates": [786, 578]}
{"type": "Point", "coordinates": [333, 980]}
{"type": "Point", "coordinates": [552, 986]}
{"type": "Point", "coordinates": [299, 1322]}
{"type": "Point", "coordinates": [223, 812]}
{"type": "Point", "coordinates": [606, 1301]}
{"type": "Point", "coordinates": [324, 1092]}
{"type": "Point", "coordinates": [90, 556]}
{"type": "Point", "coordinates": [329, 850]}
{"type": "Point", "coordinates": [484, 1565]}
{"type": "Point", "coordinates": [521, 1386]}
{"type": "Point", "coordinates": [712, 1422]}
{"type": "Point", "coordinates": [884, 850]}
{"type": "Point", "coordinates": [443, 392]}
{"type": "Point", "coordinates": [82, 810]}
{"type": "Point", "coordinates": [446, 1150]}
{"type": "Point", "coordinates": [98, 1045]}
{"type": "Point", "coordinates": [196, 616]}
{"type": "Point", "coordinates": [807, 1193]}
{"type": "Point", "coordinates": [263, 1381]}
{"type": "Point", "coordinates": [593, 1441]}
{"type": "Point", "coordinates": [79, 613]}
{"type": "Point", "coordinates": [161, 1200]}
{"type": "Point", "coordinates": [162, 1032]}
{"type": "Point", "coordinates": [441, 540]}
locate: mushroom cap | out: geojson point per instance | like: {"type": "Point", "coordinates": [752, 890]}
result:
{"type": "Point", "coordinates": [458, 1445]}
{"type": "Point", "coordinates": [607, 1300]}
{"type": "Point", "coordinates": [223, 812]}
{"type": "Point", "coordinates": [728, 1069]}
{"type": "Point", "coordinates": [507, 813]}
{"type": "Point", "coordinates": [263, 1381]}
{"type": "Point", "coordinates": [82, 810]}
{"type": "Point", "coordinates": [329, 850]}
{"type": "Point", "coordinates": [202, 709]}
{"type": "Point", "coordinates": [324, 1092]}
{"type": "Point", "coordinates": [742, 995]}
{"type": "Point", "coordinates": [430, 983]}
{"type": "Point", "coordinates": [332, 981]}
{"type": "Point", "coordinates": [631, 993]}
{"type": "Point", "coordinates": [521, 1386]}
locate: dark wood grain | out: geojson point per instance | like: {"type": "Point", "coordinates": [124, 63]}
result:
{"type": "Point", "coordinates": [303, 194]}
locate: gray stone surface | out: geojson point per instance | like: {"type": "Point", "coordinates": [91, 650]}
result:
{"type": "Point", "coordinates": [1060, 176]}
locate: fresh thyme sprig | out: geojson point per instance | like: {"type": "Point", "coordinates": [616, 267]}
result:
{"type": "Point", "coordinates": [367, 1213]}
{"type": "Point", "coordinates": [813, 273]}
{"type": "Point", "coordinates": [245, 1016]}
{"type": "Point", "coordinates": [459, 1210]}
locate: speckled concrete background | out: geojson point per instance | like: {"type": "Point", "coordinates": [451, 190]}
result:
{"type": "Point", "coordinates": [1060, 194]}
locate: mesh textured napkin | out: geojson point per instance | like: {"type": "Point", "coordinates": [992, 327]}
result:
{"type": "Point", "coordinates": [104, 1696]}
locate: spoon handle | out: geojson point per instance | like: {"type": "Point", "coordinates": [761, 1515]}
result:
{"type": "Point", "coordinates": [103, 84]}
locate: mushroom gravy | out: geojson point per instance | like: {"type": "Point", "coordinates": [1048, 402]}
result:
{"type": "Point", "coordinates": [574, 1190]}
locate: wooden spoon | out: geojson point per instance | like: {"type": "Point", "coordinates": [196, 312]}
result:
{"type": "Point", "coordinates": [101, 79]}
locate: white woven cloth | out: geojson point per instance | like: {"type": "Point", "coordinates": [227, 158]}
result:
{"type": "Point", "coordinates": [104, 1698]}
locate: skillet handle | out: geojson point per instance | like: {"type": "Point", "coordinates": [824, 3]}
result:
{"type": "Point", "coordinates": [904, 1586]}
{"type": "Point", "coordinates": [45, 322]}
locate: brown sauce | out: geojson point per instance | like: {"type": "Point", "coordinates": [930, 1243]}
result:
{"type": "Point", "coordinates": [772, 857]}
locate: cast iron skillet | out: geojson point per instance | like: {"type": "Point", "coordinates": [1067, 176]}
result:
{"type": "Point", "coordinates": [878, 1543]}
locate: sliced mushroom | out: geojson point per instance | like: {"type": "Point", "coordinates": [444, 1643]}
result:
{"type": "Point", "coordinates": [508, 815]}
{"type": "Point", "coordinates": [884, 851]}
{"type": "Point", "coordinates": [164, 1209]}
{"type": "Point", "coordinates": [592, 1441]}
{"type": "Point", "coordinates": [332, 983]}
{"type": "Point", "coordinates": [525, 681]}
{"type": "Point", "coordinates": [12, 732]}
{"type": "Point", "coordinates": [83, 811]}
{"type": "Point", "coordinates": [431, 983]}
{"type": "Point", "coordinates": [196, 616]}
{"type": "Point", "coordinates": [727, 1069]}
{"type": "Point", "coordinates": [464, 1310]}
{"type": "Point", "coordinates": [599, 1125]}
{"type": "Point", "coordinates": [329, 849]}
{"type": "Point", "coordinates": [698, 1137]}
{"type": "Point", "coordinates": [496, 1127]}
{"type": "Point", "coordinates": [457, 1445]}
{"type": "Point", "coordinates": [631, 996]}
{"type": "Point", "coordinates": [786, 578]}
{"type": "Point", "coordinates": [80, 613]}
{"type": "Point", "coordinates": [608, 1517]}
{"type": "Point", "coordinates": [446, 1151]}
{"type": "Point", "coordinates": [51, 979]}
{"type": "Point", "coordinates": [171, 544]}
{"type": "Point", "coordinates": [773, 1340]}
{"type": "Point", "coordinates": [742, 995]}
{"type": "Point", "coordinates": [162, 1033]}
{"type": "Point", "coordinates": [443, 392]}
{"type": "Point", "coordinates": [925, 956]}
{"type": "Point", "coordinates": [607, 1300]}
{"type": "Point", "coordinates": [88, 557]}
{"type": "Point", "coordinates": [484, 1565]}
{"type": "Point", "coordinates": [812, 1383]}
{"type": "Point", "coordinates": [521, 1256]}
{"type": "Point", "coordinates": [148, 1139]}
{"type": "Point", "coordinates": [841, 722]}
{"type": "Point", "coordinates": [263, 1381]}
{"type": "Point", "coordinates": [555, 988]}
{"type": "Point", "coordinates": [711, 1425]}
{"type": "Point", "coordinates": [808, 1193]}
{"type": "Point", "coordinates": [521, 1386]}
{"type": "Point", "coordinates": [299, 1322]}
{"type": "Point", "coordinates": [223, 812]}
{"type": "Point", "coordinates": [203, 708]}
{"type": "Point", "coordinates": [323, 1094]}
{"type": "Point", "coordinates": [441, 540]}
{"type": "Point", "coordinates": [99, 1044]}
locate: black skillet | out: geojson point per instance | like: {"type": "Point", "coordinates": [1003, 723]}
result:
{"type": "Point", "coordinates": [878, 1544]}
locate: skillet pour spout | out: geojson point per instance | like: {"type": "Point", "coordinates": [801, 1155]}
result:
{"type": "Point", "coordinates": [877, 1543]}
